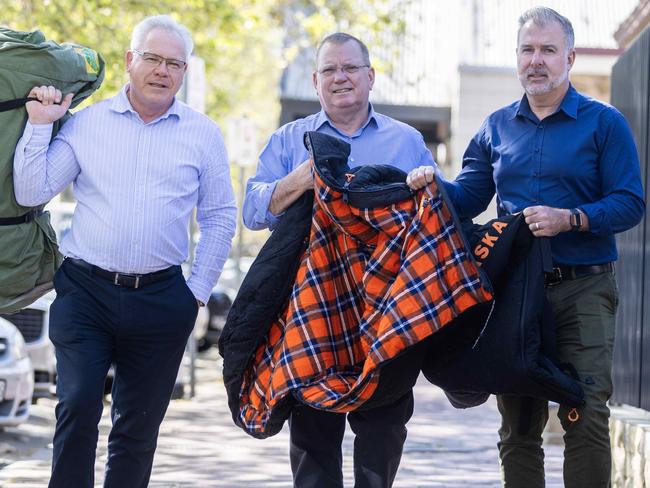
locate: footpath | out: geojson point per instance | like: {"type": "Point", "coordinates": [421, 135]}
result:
{"type": "Point", "coordinates": [200, 447]}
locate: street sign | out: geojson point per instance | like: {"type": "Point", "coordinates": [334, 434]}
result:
{"type": "Point", "coordinates": [193, 89]}
{"type": "Point", "coordinates": [196, 83]}
{"type": "Point", "coordinates": [242, 141]}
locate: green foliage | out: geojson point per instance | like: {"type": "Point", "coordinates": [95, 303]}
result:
{"type": "Point", "coordinates": [245, 43]}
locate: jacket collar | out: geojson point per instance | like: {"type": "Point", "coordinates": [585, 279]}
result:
{"type": "Point", "coordinates": [367, 186]}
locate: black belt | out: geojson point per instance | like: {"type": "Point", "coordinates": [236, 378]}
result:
{"type": "Point", "coordinates": [562, 272]}
{"type": "Point", "coordinates": [125, 279]}
{"type": "Point", "coordinates": [23, 219]}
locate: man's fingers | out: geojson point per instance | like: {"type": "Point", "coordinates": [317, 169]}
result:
{"type": "Point", "coordinates": [528, 211]}
{"type": "Point", "coordinates": [41, 93]}
{"type": "Point", "coordinates": [67, 101]}
{"type": "Point", "coordinates": [419, 177]}
{"type": "Point", "coordinates": [47, 95]}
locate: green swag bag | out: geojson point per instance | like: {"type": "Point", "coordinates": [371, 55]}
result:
{"type": "Point", "coordinates": [29, 255]}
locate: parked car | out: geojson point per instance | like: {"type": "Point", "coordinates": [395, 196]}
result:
{"type": "Point", "coordinates": [16, 376]}
{"type": "Point", "coordinates": [61, 213]}
{"type": "Point", "coordinates": [199, 331]}
{"type": "Point", "coordinates": [33, 323]}
{"type": "Point", "coordinates": [218, 307]}
{"type": "Point", "coordinates": [233, 273]}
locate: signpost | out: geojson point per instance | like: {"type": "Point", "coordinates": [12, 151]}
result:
{"type": "Point", "coordinates": [193, 93]}
{"type": "Point", "coordinates": [242, 151]}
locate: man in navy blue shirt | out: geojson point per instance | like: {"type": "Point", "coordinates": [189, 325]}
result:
{"type": "Point", "coordinates": [570, 164]}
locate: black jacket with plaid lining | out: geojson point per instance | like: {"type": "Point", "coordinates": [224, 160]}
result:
{"type": "Point", "coordinates": [504, 347]}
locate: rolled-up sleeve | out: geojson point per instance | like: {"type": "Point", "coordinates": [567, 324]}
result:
{"type": "Point", "coordinates": [271, 168]}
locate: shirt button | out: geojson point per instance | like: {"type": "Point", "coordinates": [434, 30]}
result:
{"type": "Point", "coordinates": [135, 243]}
{"type": "Point", "coordinates": [535, 174]}
{"type": "Point", "coordinates": [536, 149]}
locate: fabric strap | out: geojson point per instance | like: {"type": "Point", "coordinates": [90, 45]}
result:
{"type": "Point", "coordinates": [16, 103]}
{"type": "Point", "coordinates": [23, 219]}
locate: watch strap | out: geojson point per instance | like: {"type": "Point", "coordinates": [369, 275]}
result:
{"type": "Point", "coordinates": [575, 220]}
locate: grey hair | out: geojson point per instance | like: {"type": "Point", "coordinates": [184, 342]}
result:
{"type": "Point", "coordinates": [339, 38]}
{"type": "Point", "coordinates": [542, 16]}
{"type": "Point", "coordinates": [161, 22]}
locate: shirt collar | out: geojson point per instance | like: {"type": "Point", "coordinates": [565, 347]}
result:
{"type": "Point", "coordinates": [121, 104]}
{"type": "Point", "coordinates": [569, 105]}
{"type": "Point", "coordinates": [322, 119]}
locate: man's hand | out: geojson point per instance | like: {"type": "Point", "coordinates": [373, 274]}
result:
{"type": "Point", "coordinates": [47, 110]}
{"type": "Point", "coordinates": [420, 177]}
{"type": "Point", "coordinates": [289, 188]}
{"type": "Point", "coordinates": [548, 221]}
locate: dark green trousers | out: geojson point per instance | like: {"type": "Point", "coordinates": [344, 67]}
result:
{"type": "Point", "coordinates": [584, 311]}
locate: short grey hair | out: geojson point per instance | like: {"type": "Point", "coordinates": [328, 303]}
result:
{"type": "Point", "coordinates": [339, 38]}
{"type": "Point", "coordinates": [162, 22]}
{"type": "Point", "coordinates": [542, 16]}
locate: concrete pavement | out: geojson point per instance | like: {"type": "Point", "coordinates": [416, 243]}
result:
{"type": "Point", "coordinates": [200, 447]}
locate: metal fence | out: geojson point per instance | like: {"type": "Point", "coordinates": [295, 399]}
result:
{"type": "Point", "coordinates": [631, 95]}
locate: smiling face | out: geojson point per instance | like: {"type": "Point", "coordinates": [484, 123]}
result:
{"type": "Point", "coordinates": [543, 61]}
{"type": "Point", "coordinates": [152, 88]}
{"type": "Point", "coordinates": [342, 93]}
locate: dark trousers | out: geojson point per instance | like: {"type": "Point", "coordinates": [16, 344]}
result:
{"type": "Point", "coordinates": [584, 312]}
{"type": "Point", "coordinates": [316, 437]}
{"type": "Point", "coordinates": [142, 332]}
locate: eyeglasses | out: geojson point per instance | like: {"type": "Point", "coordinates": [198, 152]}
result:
{"type": "Point", "coordinates": [154, 60]}
{"type": "Point", "coordinates": [348, 69]}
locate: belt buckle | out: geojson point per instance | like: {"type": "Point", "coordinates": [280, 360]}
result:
{"type": "Point", "coordinates": [116, 279]}
{"type": "Point", "coordinates": [553, 278]}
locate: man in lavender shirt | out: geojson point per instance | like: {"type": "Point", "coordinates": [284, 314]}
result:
{"type": "Point", "coordinates": [139, 163]}
{"type": "Point", "coordinates": [343, 80]}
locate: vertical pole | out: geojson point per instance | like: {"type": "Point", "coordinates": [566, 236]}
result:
{"type": "Point", "coordinates": [191, 341]}
{"type": "Point", "coordinates": [240, 223]}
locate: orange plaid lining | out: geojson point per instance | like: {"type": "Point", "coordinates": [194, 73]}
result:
{"type": "Point", "coordinates": [373, 283]}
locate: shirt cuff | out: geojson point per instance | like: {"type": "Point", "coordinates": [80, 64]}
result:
{"type": "Point", "coordinates": [263, 214]}
{"type": "Point", "coordinates": [598, 222]}
{"type": "Point", "coordinates": [199, 288]}
{"type": "Point", "coordinates": [38, 134]}
{"type": "Point", "coordinates": [273, 220]}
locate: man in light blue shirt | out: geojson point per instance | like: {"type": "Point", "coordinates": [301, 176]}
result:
{"type": "Point", "coordinates": [139, 163]}
{"type": "Point", "coordinates": [343, 80]}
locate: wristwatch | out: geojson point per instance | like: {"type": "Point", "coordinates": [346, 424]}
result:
{"type": "Point", "coordinates": [575, 220]}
